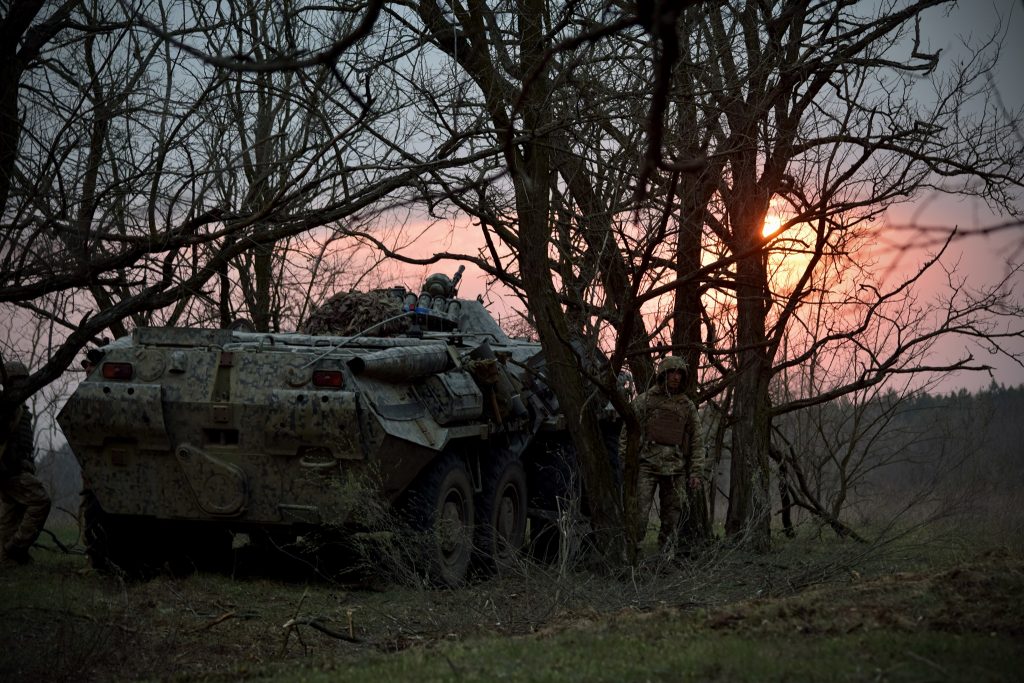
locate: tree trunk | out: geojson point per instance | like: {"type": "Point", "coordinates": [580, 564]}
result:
{"type": "Point", "coordinates": [263, 281]}
{"type": "Point", "coordinates": [749, 514]}
{"type": "Point", "coordinates": [532, 176]}
{"type": "Point", "coordinates": [695, 527]}
{"type": "Point", "coordinates": [602, 494]}
{"type": "Point", "coordinates": [632, 331]}
{"type": "Point", "coordinates": [10, 119]}
{"type": "Point", "coordinates": [15, 22]}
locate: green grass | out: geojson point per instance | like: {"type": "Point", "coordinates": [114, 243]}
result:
{"type": "Point", "coordinates": [677, 653]}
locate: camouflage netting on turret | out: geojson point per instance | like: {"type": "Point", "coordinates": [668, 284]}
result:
{"type": "Point", "coordinates": [351, 313]}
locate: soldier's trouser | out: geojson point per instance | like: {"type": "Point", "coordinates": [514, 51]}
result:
{"type": "Point", "coordinates": [670, 500]}
{"type": "Point", "coordinates": [25, 506]}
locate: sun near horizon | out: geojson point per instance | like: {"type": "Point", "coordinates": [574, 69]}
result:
{"type": "Point", "coordinates": [772, 224]}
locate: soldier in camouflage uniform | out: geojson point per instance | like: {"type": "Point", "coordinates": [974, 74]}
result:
{"type": "Point", "coordinates": [671, 447]}
{"type": "Point", "coordinates": [24, 503]}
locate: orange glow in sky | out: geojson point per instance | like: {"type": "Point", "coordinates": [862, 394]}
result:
{"type": "Point", "coordinates": [772, 224]}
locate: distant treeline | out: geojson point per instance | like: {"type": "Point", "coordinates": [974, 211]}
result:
{"type": "Point", "coordinates": [981, 435]}
{"type": "Point", "coordinates": [865, 458]}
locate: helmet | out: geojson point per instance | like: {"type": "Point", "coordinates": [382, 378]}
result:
{"type": "Point", "coordinates": [438, 285]}
{"type": "Point", "coordinates": [15, 368]}
{"type": "Point", "coordinates": [672, 363]}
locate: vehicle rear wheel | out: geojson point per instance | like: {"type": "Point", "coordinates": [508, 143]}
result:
{"type": "Point", "coordinates": [442, 509]}
{"type": "Point", "coordinates": [501, 533]}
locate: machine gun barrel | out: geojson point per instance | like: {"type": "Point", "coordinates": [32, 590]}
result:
{"type": "Point", "coordinates": [456, 280]}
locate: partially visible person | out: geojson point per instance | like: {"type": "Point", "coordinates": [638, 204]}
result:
{"type": "Point", "coordinates": [24, 503]}
{"type": "Point", "coordinates": [671, 448]}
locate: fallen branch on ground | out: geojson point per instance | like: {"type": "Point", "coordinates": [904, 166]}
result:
{"type": "Point", "coordinates": [313, 622]}
{"type": "Point", "coordinates": [224, 617]}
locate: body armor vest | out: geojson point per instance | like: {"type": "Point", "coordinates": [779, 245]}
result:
{"type": "Point", "coordinates": [667, 426]}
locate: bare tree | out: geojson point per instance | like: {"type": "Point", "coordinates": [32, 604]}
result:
{"type": "Point", "coordinates": [138, 180]}
{"type": "Point", "coordinates": [818, 106]}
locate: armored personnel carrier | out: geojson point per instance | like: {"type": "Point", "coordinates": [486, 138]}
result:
{"type": "Point", "coordinates": [189, 438]}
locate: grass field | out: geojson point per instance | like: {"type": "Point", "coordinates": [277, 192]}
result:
{"type": "Point", "coordinates": [920, 609]}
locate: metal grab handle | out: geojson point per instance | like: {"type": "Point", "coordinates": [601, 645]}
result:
{"type": "Point", "coordinates": [317, 464]}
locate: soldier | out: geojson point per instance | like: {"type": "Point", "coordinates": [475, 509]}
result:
{"type": "Point", "coordinates": [671, 447]}
{"type": "Point", "coordinates": [24, 504]}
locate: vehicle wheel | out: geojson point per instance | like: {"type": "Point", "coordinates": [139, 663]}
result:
{"type": "Point", "coordinates": [102, 537]}
{"type": "Point", "coordinates": [442, 508]}
{"type": "Point", "coordinates": [189, 547]}
{"type": "Point", "coordinates": [502, 512]}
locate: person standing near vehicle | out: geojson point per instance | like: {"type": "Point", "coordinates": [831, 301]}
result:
{"type": "Point", "coordinates": [24, 503]}
{"type": "Point", "coordinates": [671, 447]}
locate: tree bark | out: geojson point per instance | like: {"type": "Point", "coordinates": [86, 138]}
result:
{"type": "Point", "coordinates": [13, 25]}
{"type": "Point", "coordinates": [749, 515]}
{"type": "Point", "coordinates": [533, 172]}
{"type": "Point", "coordinates": [686, 333]}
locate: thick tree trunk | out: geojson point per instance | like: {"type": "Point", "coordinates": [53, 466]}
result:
{"type": "Point", "coordinates": [618, 288]}
{"type": "Point", "coordinates": [532, 176]}
{"type": "Point", "coordinates": [563, 365]}
{"type": "Point", "coordinates": [15, 22]}
{"type": "Point", "coordinates": [749, 514]}
{"type": "Point", "coordinates": [695, 527]}
{"type": "Point", "coordinates": [10, 120]}
{"type": "Point", "coordinates": [602, 493]}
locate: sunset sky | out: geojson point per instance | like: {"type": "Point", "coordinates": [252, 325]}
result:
{"type": "Point", "coordinates": [981, 259]}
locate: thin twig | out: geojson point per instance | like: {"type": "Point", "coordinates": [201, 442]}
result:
{"type": "Point", "coordinates": [314, 622]}
{"type": "Point", "coordinates": [288, 629]}
{"type": "Point", "coordinates": [224, 617]}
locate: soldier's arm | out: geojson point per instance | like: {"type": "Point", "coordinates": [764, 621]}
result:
{"type": "Point", "coordinates": [639, 406]}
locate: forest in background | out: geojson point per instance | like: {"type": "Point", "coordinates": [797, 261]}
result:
{"type": "Point", "coordinates": [907, 459]}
